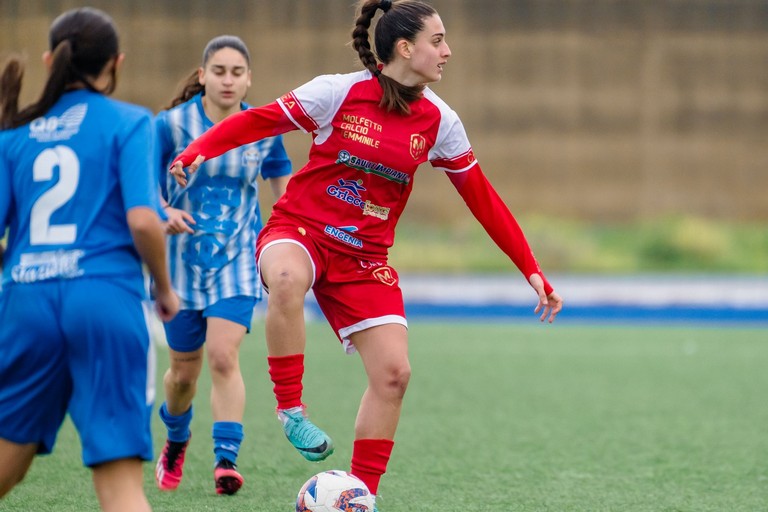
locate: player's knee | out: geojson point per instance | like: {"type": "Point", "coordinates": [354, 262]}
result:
{"type": "Point", "coordinates": [180, 380]}
{"type": "Point", "coordinates": [222, 362]}
{"type": "Point", "coordinates": [394, 381]}
{"type": "Point", "coordinates": [286, 288]}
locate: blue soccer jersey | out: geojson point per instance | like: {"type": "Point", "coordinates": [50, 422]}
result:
{"type": "Point", "coordinates": [66, 204]}
{"type": "Point", "coordinates": [217, 260]}
{"type": "Point", "coordinates": [75, 337]}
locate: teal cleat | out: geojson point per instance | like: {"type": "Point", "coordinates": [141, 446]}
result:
{"type": "Point", "coordinates": [311, 442]}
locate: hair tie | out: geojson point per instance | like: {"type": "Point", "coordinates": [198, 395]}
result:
{"type": "Point", "coordinates": [377, 73]}
{"type": "Point", "coordinates": [385, 5]}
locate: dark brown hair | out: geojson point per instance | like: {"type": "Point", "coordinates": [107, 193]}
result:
{"type": "Point", "coordinates": [82, 42]}
{"type": "Point", "coordinates": [402, 19]}
{"type": "Point", "coordinates": [191, 85]}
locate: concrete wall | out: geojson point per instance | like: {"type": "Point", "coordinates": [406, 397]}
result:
{"type": "Point", "coordinates": [597, 109]}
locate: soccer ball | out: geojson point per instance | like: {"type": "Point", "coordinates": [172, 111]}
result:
{"type": "Point", "coordinates": [334, 491]}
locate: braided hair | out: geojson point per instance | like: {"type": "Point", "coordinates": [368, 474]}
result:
{"type": "Point", "coordinates": [402, 19]}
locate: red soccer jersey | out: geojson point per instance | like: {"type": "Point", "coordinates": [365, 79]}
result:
{"type": "Point", "coordinates": [363, 159]}
{"type": "Point", "coordinates": [362, 162]}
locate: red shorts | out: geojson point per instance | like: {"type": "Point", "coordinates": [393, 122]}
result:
{"type": "Point", "coordinates": [353, 294]}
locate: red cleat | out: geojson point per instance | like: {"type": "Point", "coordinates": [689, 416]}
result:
{"type": "Point", "coordinates": [170, 465]}
{"type": "Point", "coordinates": [228, 480]}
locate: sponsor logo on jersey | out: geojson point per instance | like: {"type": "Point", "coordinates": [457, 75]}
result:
{"type": "Point", "coordinates": [63, 127]}
{"type": "Point", "coordinates": [348, 191]}
{"type": "Point", "coordinates": [386, 275]}
{"type": "Point", "coordinates": [369, 264]}
{"type": "Point", "coordinates": [360, 124]}
{"type": "Point", "coordinates": [360, 129]}
{"type": "Point", "coordinates": [346, 158]}
{"type": "Point", "coordinates": [344, 188]}
{"type": "Point", "coordinates": [342, 235]}
{"type": "Point", "coordinates": [380, 212]}
{"type": "Point", "coordinates": [418, 145]}
{"type": "Point", "coordinates": [39, 266]}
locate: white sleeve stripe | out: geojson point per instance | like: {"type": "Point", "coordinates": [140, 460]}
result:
{"type": "Point", "coordinates": [305, 112]}
{"type": "Point", "coordinates": [466, 168]}
{"type": "Point", "coordinates": [293, 120]}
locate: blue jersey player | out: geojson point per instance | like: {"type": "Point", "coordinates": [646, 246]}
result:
{"type": "Point", "coordinates": [215, 220]}
{"type": "Point", "coordinates": [79, 196]}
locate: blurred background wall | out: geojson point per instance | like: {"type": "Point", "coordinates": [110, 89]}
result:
{"type": "Point", "coordinates": [601, 110]}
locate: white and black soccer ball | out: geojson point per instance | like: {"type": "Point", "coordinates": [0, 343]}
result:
{"type": "Point", "coordinates": [335, 491]}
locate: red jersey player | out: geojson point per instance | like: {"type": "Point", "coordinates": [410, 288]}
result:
{"type": "Point", "coordinates": [333, 227]}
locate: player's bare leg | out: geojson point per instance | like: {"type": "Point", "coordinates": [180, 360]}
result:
{"type": "Point", "coordinates": [180, 383]}
{"type": "Point", "coordinates": [384, 351]}
{"type": "Point", "coordinates": [180, 380]}
{"type": "Point", "coordinates": [120, 486]}
{"type": "Point", "coordinates": [223, 340]}
{"type": "Point", "coordinates": [287, 272]}
{"type": "Point", "coordinates": [15, 460]}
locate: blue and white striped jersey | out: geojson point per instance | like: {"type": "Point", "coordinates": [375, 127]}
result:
{"type": "Point", "coordinates": [67, 180]}
{"type": "Point", "coordinates": [217, 260]}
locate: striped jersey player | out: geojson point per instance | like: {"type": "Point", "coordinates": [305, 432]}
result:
{"type": "Point", "coordinates": [216, 261]}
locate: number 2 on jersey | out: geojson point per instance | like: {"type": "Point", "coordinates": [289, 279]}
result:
{"type": "Point", "coordinates": [41, 232]}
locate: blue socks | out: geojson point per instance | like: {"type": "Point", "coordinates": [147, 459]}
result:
{"type": "Point", "coordinates": [227, 436]}
{"type": "Point", "coordinates": [178, 426]}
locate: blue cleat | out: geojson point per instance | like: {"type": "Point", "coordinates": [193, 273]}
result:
{"type": "Point", "coordinates": [311, 442]}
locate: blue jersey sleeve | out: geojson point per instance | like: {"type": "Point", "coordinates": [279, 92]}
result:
{"type": "Point", "coordinates": [137, 168]}
{"type": "Point", "coordinates": [164, 151]}
{"type": "Point", "coordinates": [276, 163]}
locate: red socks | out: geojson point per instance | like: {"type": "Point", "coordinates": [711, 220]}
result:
{"type": "Point", "coordinates": [369, 460]}
{"type": "Point", "coordinates": [369, 456]}
{"type": "Point", "coordinates": [286, 373]}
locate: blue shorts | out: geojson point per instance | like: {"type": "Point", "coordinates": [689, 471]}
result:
{"type": "Point", "coordinates": [186, 332]}
{"type": "Point", "coordinates": [79, 346]}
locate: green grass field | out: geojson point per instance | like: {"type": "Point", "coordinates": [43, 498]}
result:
{"type": "Point", "coordinates": [498, 417]}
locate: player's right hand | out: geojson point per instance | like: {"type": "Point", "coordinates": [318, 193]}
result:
{"type": "Point", "coordinates": [166, 305]}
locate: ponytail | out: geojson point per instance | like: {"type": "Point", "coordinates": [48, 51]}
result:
{"type": "Point", "coordinates": [10, 87]}
{"type": "Point", "coordinates": [58, 78]}
{"type": "Point", "coordinates": [189, 88]}
{"type": "Point", "coordinates": [401, 20]}
{"type": "Point", "coordinates": [360, 41]}
{"type": "Point", "coordinates": [93, 33]}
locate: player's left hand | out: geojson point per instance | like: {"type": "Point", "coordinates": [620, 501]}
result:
{"type": "Point", "coordinates": [177, 170]}
{"type": "Point", "coordinates": [549, 305]}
